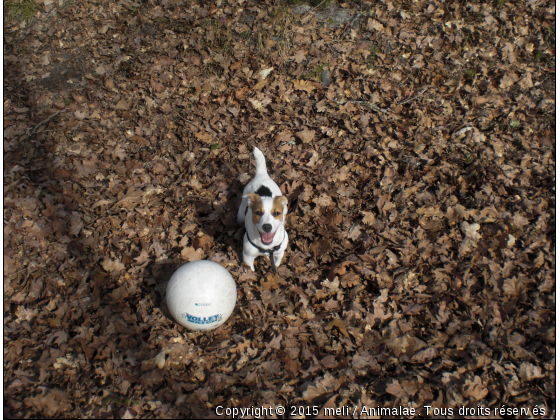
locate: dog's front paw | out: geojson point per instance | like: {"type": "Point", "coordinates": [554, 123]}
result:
{"type": "Point", "coordinates": [278, 260]}
{"type": "Point", "coordinates": [250, 262]}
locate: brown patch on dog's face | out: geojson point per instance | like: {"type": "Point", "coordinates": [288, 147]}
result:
{"type": "Point", "coordinates": [278, 207]}
{"type": "Point", "coordinates": [256, 205]}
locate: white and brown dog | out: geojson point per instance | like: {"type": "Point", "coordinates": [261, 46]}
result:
{"type": "Point", "coordinates": [264, 210]}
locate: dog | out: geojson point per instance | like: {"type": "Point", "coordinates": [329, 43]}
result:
{"type": "Point", "coordinates": [264, 209]}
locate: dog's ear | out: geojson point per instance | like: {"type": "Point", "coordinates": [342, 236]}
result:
{"type": "Point", "coordinates": [252, 199]}
{"type": "Point", "coordinates": [281, 200]}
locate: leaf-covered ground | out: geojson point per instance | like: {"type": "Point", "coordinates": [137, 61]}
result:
{"type": "Point", "coordinates": [415, 141]}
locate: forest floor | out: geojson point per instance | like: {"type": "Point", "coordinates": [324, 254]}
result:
{"type": "Point", "coordinates": [415, 141]}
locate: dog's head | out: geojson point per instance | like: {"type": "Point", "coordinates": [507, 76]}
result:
{"type": "Point", "coordinates": [267, 214]}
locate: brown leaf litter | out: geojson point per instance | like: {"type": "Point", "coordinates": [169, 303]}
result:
{"type": "Point", "coordinates": [414, 140]}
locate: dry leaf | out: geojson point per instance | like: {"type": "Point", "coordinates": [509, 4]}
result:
{"type": "Point", "coordinates": [204, 137]}
{"type": "Point", "coordinates": [529, 372]}
{"type": "Point", "coordinates": [190, 254]}
{"type": "Point", "coordinates": [131, 199]}
{"type": "Point", "coordinates": [76, 224]}
{"type": "Point", "coordinates": [508, 80]}
{"type": "Point", "coordinates": [304, 85]}
{"type": "Point", "coordinates": [299, 56]}
{"type": "Point", "coordinates": [425, 355]}
{"type": "Point", "coordinates": [112, 266]}
{"type": "Point", "coordinates": [306, 136]}
{"type": "Point", "coordinates": [271, 281]}
{"type": "Point", "coordinates": [394, 388]}
{"type": "Point", "coordinates": [369, 217]}
{"type": "Point", "coordinates": [101, 203]}
{"type": "Point", "coordinates": [322, 386]}
{"type": "Point", "coordinates": [475, 389]}
{"type": "Point", "coordinates": [373, 24]}
{"type": "Point", "coordinates": [265, 72]}
{"type": "Point", "coordinates": [471, 231]}
{"type": "Point", "coordinates": [406, 345]}
{"type": "Point", "coordinates": [339, 324]}
{"type": "Point", "coordinates": [122, 105]}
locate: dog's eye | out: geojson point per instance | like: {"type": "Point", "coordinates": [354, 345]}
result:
{"type": "Point", "coordinates": [259, 213]}
{"type": "Point", "coordinates": [276, 214]}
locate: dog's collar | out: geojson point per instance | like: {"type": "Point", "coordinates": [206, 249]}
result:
{"type": "Point", "coordinates": [268, 251]}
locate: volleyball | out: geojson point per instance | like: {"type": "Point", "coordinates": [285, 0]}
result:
{"type": "Point", "coordinates": [201, 295]}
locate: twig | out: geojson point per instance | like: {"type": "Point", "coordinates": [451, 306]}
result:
{"type": "Point", "coordinates": [371, 106]}
{"type": "Point", "coordinates": [413, 99]}
{"type": "Point", "coordinates": [17, 272]}
{"type": "Point", "coordinates": [349, 24]}
{"type": "Point", "coordinates": [184, 119]}
{"type": "Point", "coordinates": [197, 197]}
{"type": "Point", "coordinates": [45, 121]}
{"type": "Point", "coordinates": [316, 7]}
{"type": "Point", "coordinates": [311, 11]}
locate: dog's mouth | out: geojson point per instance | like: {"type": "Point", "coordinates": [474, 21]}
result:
{"type": "Point", "coordinates": [267, 238]}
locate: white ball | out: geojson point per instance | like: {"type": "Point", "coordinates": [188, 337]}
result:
{"type": "Point", "coordinates": [201, 295]}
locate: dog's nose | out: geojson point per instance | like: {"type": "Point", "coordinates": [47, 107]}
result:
{"type": "Point", "coordinates": [267, 228]}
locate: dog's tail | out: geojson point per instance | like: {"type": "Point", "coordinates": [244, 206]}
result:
{"type": "Point", "coordinates": [260, 162]}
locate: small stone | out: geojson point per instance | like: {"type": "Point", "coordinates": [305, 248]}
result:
{"type": "Point", "coordinates": [326, 77]}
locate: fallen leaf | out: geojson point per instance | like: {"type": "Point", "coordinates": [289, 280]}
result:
{"type": "Point", "coordinates": [508, 80]}
{"type": "Point", "coordinates": [373, 24]}
{"type": "Point", "coordinates": [190, 254]}
{"type": "Point", "coordinates": [406, 345]}
{"type": "Point", "coordinates": [299, 56]}
{"type": "Point", "coordinates": [425, 355]}
{"type": "Point", "coordinates": [306, 136]}
{"type": "Point", "coordinates": [304, 85]}
{"type": "Point", "coordinates": [339, 324]}
{"type": "Point", "coordinates": [394, 388]}
{"type": "Point", "coordinates": [76, 224]}
{"type": "Point", "coordinates": [275, 343]}
{"type": "Point", "coordinates": [265, 72]}
{"type": "Point", "coordinates": [112, 266]}
{"type": "Point", "coordinates": [131, 199]}
{"type": "Point", "coordinates": [271, 281]}
{"type": "Point", "coordinates": [321, 386]}
{"type": "Point", "coordinates": [102, 202]}
{"type": "Point", "coordinates": [369, 217]}
{"type": "Point", "coordinates": [529, 372]}
{"type": "Point", "coordinates": [122, 105]}
{"type": "Point", "coordinates": [475, 389]}
{"type": "Point", "coordinates": [471, 231]}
